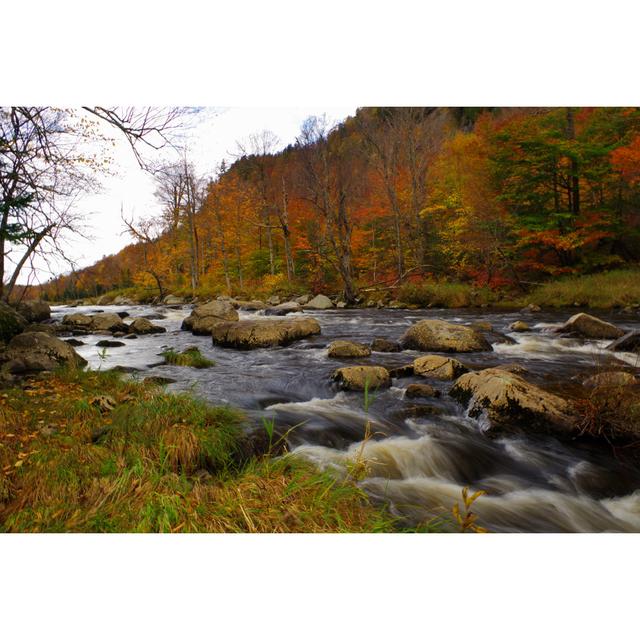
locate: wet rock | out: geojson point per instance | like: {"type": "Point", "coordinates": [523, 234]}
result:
{"type": "Point", "coordinates": [205, 316]}
{"type": "Point", "coordinates": [11, 322]}
{"type": "Point", "coordinates": [587, 326]}
{"type": "Point", "coordinates": [171, 299]}
{"type": "Point", "coordinates": [508, 400]}
{"type": "Point", "coordinates": [109, 343]}
{"type": "Point", "coordinates": [251, 305]}
{"type": "Point", "coordinates": [438, 367]}
{"type": "Point", "coordinates": [531, 308]}
{"type": "Point", "coordinates": [437, 335]}
{"type": "Point", "coordinates": [283, 309]}
{"type": "Point", "coordinates": [123, 314]}
{"type": "Point", "coordinates": [481, 325]}
{"type": "Point", "coordinates": [131, 336]}
{"type": "Point", "coordinates": [253, 334]}
{"type": "Point", "coordinates": [94, 323]}
{"type": "Point", "coordinates": [154, 316]}
{"type": "Point", "coordinates": [51, 329]}
{"type": "Point", "coordinates": [319, 303]}
{"type": "Point", "coordinates": [610, 379]}
{"type": "Point", "coordinates": [34, 310]}
{"type": "Point", "coordinates": [356, 378]}
{"type": "Point", "coordinates": [122, 301]}
{"type": "Point", "coordinates": [421, 391]}
{"type": "Point", "coordinates": [629, 342]}
{"type": "Point", "coordinates": [383, 345]}
{"type": "Point", "coordinates": [405, 371]}
{"type": "Point", "coordinates": [303, 299]}
{"type": "Point", "coordinates": [519, 326]}
{"type": "Point", "coordinates": [348, 349]}
{"type": "Point", "coordinates": [33, 351]}
{"type": "Point", "coordinates": [142, 326]}
{"type": "Point", "coordinates": [74, 343]}
{"type": "Point", "coordinates": [124, 369]}
{"type": "Point", "coordinates": [513, 368]}
{"type": "Point", "coordinates": [419, 411]}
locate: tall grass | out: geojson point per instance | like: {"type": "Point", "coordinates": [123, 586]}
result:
{"type": "Point", "coordinates": [619, 288]}
{"type": "Point", "coordinates": [154, 463]}
{"type": "Point", "coordinates": [190, 357]}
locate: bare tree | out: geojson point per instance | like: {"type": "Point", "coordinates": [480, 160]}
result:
{"type": "Point", "coordinates": [328, 177]}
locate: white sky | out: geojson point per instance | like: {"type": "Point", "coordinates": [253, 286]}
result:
{"type": "Point", "coordinates": [211, 139]}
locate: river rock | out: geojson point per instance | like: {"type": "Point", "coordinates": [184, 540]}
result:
{"type": "Point", "coordinates": [438, 335]}
{"type": "Point", "coordinates": [171, 299]}
{"type": "Point", "coordinates": [109, 343]}
{"type": "Point", "coordinates": [33, 351]}
{"type": "Point", "coordinates": [107, 322]}
{"type": "Point", "coordinates": [405, 371]}
{"type": "Point", "coordinates": [142, 326]}
{"type": "Point", "coordinates": [122, 301]}
{"type": "Point", "coordinates": [341, 305]}
{"type": "Point", "coordinates": [51, 329]}
{"type": "Point", "coordinates": [509, 400]}
{"type": "Point", "coordinates": [348, 349]}
{"type": "Point", "coordinates": [421, 391]}
{"type": "Point", "coordinates": [303, 299]}
{"type": "Point", "coordinates": [274, 300]}
{"type": "Point", "coordinates": [587, 326]}
{"type": "Point", "coordinates": [610, 379]}
{"type": "Point", "coordinates": [11, 322]}
{"type": "Point", "coordinates": [74, 343]}
{"type": "Point", "coordinates": [205, 316]}
{"type": "Point", "coordinates": [383, 345]}
{"type": "Point", "coordinates": [251, 305]}
{"type": "Point", "coordinates": [481, 325]}
{"type": "Point", "coordinates": [629, 342]}
{"type": "Point", "coordinates": [78, 320]}
{"type": "Point", "coordinates": [34, 310]}
{"type": "Point", "coordinates": [532, 308]}
{"type": "Point", "coordinates": [356, 378]}
{"type": "Point", "coordinates": [319, 303]}
{"type": "Point", "coordinates": [438, 367]}
{"type": "Point", "coordinates": [253, 334]}
{"type": "Point", "coordinates": [283, 309]}
{"type": "Point", "coordinates": [519, 326]}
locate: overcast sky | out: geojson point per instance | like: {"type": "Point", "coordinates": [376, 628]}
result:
{"type": "Point", "coordinates": [211, 139]}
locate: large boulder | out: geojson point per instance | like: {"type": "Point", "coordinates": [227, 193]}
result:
{"type": "Point", "coordinates": [357, 378]}
{"type": "Point", "coordinates": [34, 310]}
{"type": "Point", "coordinates": [251, 305]}
{"type": "Point", "coordinates": [319, 303]}
{"type": "Point", "coordinates": [348, 349]}
{"type": "Point", "coordinates": [94, 323]}
{"type": "Point", "coordinates": [253, 334]}
{"type": "Point", "coordinates": [438, 335]}
{"type": "Point", "coordinates": [628, 342]}
{"type": "Point", "coordinates": [207, 315]}
{"type": "Point", "coordinates": [510, 401]}
{"type": "Point", "coordinates": [519, 326]}
{"type": "Point", "coordinates": [171, 299]}
{"type": "Point", "coordinates": [283, 308]}
{"type": "Point", "coordinates": [142, 326]}
{"type": "Point", "coordinates": [11, 322]}
{"type": "Point", "coordinates": [107, 322]}
{"type": "Point", "coordinates": [438, 367]}
{"type": "Point", "coordinates": [587, 326]}
{"type": "Point", "coordinates": [78, 320]}
{"type": "Point", "coordinates": [33, 351]}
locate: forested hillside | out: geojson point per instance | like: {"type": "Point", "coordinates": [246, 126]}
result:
{"type": "Point", "coordinates": [496, 197]}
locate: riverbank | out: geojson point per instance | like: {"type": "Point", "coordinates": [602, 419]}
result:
{"type": "Point", "coordinates": [617, 289]}
{"type": "Point", "coordinates": [94, 452]}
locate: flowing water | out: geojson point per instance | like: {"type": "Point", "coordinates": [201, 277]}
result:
{"type": "Point", "coordinates": [423, 452]}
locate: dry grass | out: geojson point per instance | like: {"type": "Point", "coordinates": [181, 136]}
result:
{"type": "Point", "coordinates": [155, 463]}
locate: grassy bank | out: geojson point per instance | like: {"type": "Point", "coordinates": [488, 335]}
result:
{"type": "Point", "coordinates": [92, 452]}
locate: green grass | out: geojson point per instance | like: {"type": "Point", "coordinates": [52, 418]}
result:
{"type": "Point", "coordinates": [154, 463]}
{"type": "Point", "coordinates": [619, 288]}
{"type": "Point", "coordinates": [190, 357]}
{"type": "Point", "coordinates": [445, 294]}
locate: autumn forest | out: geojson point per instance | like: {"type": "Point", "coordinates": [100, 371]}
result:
{"type": "Point", "coordinates": [499, 198]}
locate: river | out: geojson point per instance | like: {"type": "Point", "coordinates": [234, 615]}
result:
{"type": "Point", "coordinates": [419, 460]}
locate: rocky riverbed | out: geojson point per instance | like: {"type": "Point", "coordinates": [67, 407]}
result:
{"type": "Point", "coordinates": [480, 406]}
